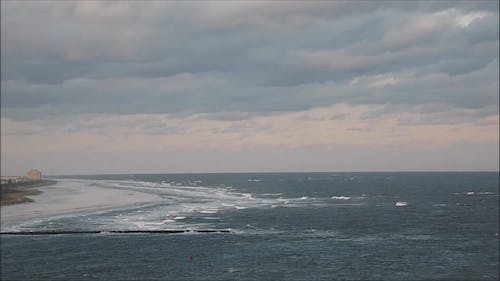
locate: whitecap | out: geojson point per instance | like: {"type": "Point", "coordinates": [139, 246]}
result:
{"type": "Point", "coordinates": [401, 204]}
{"type": "Point", "coordinates": [208, 211]}
{"type": "Point", "coordinates": [341, 197]}
{"type": "Point", "coordinates": [272, 194]}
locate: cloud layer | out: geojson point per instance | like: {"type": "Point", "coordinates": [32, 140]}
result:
{"type": "Point", "coordinates": [126, 57]}
{"type": "Point", "coordinates": [227, 64]}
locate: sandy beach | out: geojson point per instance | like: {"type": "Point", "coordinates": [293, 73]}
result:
{"type": "Point", "coordinates": [69, 197]}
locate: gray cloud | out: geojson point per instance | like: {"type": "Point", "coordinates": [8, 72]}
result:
{"type": "Point", "coordinates": [63, 58]}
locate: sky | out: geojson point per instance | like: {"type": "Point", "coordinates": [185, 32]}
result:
{"type": "Point", "coordinates": [252, 86]}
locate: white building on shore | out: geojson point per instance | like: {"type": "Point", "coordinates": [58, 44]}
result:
{"type": "Point", "coordinates": [31, 175]}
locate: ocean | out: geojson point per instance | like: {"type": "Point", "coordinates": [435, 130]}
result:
{"type": "Point", "coordinates": [283, 226]}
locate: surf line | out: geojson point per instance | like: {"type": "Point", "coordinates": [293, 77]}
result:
{"type": "Point", "coordinates": [160, 231]}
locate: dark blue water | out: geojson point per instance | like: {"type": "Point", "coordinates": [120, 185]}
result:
{"type": "Point", "coordinates": [300, 226]}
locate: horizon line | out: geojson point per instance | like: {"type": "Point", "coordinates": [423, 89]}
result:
{"type": "Point", "coordinates": [277, 172]}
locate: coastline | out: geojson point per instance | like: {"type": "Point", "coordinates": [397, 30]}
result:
{"type": "Point", "coordinates": [17, 193]}
{"type": "Point", "coordinates": [67, 197]}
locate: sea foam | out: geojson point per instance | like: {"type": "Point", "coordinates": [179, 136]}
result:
{"type": "Point", "coordinates": [341, 197]}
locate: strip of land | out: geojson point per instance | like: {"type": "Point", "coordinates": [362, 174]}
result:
{"type": "Point", "coordinates": [70, 196]}
{"type": "Point", "coordinates": [16, 193]}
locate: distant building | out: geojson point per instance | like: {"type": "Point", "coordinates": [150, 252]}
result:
{"type": "Point", "coordinates": [34, 174]}
{"type": "Point", "coordinates": [10, 179]}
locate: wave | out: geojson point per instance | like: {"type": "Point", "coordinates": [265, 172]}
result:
{"type": "Point", "coordinates": [341, 197]}
{"type": "Point", "coordinates": [209, 211]}
{"type": "Point", "coordinates": [439, 205]}
{"type": "Point", "coordinates": [473, 193]}
{"type": "Point", "coordinates": [486, 193]}
{"type": "Point", "coordinates": [176, 203]}
{"type": "Point", "coordinates": [178, 206]}
{"type": "Point", "coordinates": [271, 194]}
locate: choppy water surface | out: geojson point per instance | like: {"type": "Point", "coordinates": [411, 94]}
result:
{"type": "Point", "coordinates": [390, 226]}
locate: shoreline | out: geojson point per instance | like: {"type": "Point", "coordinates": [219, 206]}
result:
{"type": "Point", "coordinates": [68, 197]}
{"type": "Point", "coordinates": [17, 193]}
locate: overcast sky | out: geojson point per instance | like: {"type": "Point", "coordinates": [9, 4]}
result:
{"type": "Point", "coordinates": [163, 86]}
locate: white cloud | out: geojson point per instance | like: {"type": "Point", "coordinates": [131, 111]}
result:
{"type": "Point", "coordinates": [466, 19]}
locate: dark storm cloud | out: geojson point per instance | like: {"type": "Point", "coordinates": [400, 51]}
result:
{"type": "Point", "coordinates": [213, 57]}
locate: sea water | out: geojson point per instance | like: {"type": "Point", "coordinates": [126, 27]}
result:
{"type": "Point", "coordinates": [284, 226]}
